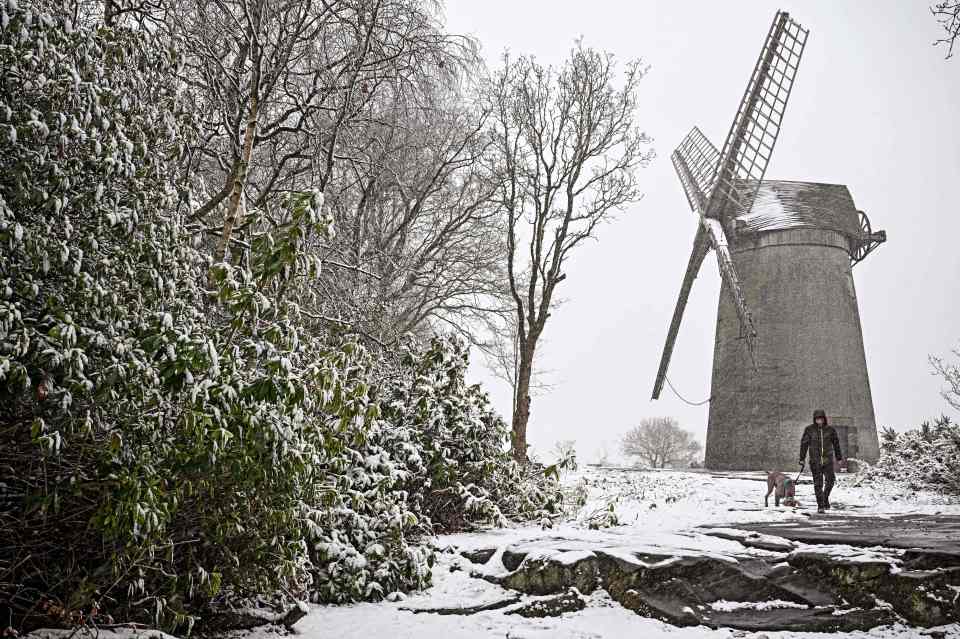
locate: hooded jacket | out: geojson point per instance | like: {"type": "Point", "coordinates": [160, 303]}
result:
{"type": "Point", "coordinates": [821, 441]}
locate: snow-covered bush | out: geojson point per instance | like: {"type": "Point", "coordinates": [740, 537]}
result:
{"type": "Point", "coordinates": [90, 268]}
{"type": "Point", "coordinates": [927, 457]}
{"type": "Point", "coordinates": [432, 458]}
{"type": "Point", "coordinates": [454, 446]}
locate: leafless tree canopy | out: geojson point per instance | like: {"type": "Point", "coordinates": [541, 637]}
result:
{"type": "Point", "coordinates": [414, 205]}
{"type": "Point", "coordinates": [282, 84]}
{"type": "Point", "coordinates": [370, 102]}
{"type": "Point", "coordinates": [948, 15]}
{"type": "Point", "coordinates": [565, 149]}
{"type": "Point", "coordinates": [659, 442]}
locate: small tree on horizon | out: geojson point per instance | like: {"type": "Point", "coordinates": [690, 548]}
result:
{"type": "Point", "coordinates": [659, 442]}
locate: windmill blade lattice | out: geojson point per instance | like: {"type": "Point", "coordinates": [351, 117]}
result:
{"type": "Point", "coordinates": [753, 134]}
{"type": "Point", "coordinates": [695, 160]}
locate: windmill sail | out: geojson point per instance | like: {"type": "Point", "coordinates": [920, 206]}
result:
{"type": "Point", "coordinates": [718, 184]}
{"type": "Point", "coordinates": [695, 161]}
{"type": "Point", "coordinates": [701, 246]}
{"type": "Point", "coordinates": [753, 134]}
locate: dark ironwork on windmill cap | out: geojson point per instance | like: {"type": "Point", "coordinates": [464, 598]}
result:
{"type": "Point", "coordinates": [785, 205]}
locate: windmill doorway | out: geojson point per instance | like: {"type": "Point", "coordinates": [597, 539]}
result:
{"type": "Point", "coordinates": [849, 439]}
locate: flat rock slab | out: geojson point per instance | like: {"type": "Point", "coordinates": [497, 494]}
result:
{"type": "Point", "coordinates": [466, 610]}
{"type": "Point", "coordinates": [800, 620]}
{"type": "Point", "coordinates": [551, 606]}
{"type": "Point", "coordinates": [479, 555]}
{"type": "Point", "coordinates": [928, 533]}
{"type": "Point", "coordinates": [754, 540]}
{"type": "Point", "coordinates": [808, 579]}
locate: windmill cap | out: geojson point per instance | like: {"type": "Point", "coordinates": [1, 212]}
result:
{"type": "Point", "coordinates": [819, 413]}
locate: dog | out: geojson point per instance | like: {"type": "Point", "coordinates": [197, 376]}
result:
{"type": "Point", "coordinates": [784, 488]}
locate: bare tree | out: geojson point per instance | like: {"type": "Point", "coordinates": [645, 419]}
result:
{"type": "Point", "coordinates": [947, 14]}
{"type": "Point", "coordinates": [659, 442]}
{"type": "Point", "coordinates": [420, 245]}
{"type": "Point", "coordinates": [950, 372]}
{"type": "Point", "coordinates": [565, 153]}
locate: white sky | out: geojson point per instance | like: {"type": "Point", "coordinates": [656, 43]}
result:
{"type": "Point", "coordinates": [874, 106]}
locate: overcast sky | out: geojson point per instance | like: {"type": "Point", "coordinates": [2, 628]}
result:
{"type": "Point", "coordinates": [874, 106]}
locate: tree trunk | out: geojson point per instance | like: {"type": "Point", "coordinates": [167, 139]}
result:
{"type": "Point", "coordinates": [521, 409]}
{"type": "Point", "coordinates": [240, 175]}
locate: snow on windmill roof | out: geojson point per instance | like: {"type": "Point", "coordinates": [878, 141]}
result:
{"type": "Point", "coordinates": [781, 205]}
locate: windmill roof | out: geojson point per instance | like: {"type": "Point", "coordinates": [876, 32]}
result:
{"type": "Point", "coordinates": [780, 204]}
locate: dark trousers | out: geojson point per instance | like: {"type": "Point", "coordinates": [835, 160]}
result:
{"type": "Point", "coordinates": [823, 478]}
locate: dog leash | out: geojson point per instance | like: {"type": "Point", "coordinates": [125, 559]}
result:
{"type": "Point", "coordinates": [797, 480]}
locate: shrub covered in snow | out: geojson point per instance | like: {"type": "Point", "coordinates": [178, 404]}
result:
{"type": "Point", "coordinates": [433, 460]}
{"type": "Point", "coordinates": [927, 457]}
{"type": "Point", "coordinates": [173, 430]}
{"type": "Point", "coordinates": [454, 445]}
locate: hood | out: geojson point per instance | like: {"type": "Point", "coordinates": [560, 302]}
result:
{"type": "Point", "coordinates": [819, 413]}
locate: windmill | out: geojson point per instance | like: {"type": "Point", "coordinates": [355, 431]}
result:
{"type": "Point", "coordinates": [783, 249]}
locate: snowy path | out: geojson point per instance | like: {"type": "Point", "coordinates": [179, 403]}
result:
{"type": "Point", "coordinates": [660, 514]}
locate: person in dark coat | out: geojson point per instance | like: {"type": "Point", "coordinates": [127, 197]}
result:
{"type": "Point", "coordinates": [820, 438]}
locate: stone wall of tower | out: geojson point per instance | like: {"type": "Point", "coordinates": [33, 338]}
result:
{"type": "Point", "coordinates": [799, 286]}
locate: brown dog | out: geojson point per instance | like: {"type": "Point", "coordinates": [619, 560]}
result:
{"type": "Point", "coordinates": [784, 486]}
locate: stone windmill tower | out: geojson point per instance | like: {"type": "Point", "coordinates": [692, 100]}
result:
{"type": "Point", "coordinates": [788, 328]}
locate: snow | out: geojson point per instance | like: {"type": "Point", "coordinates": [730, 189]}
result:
{"type": "Point", "coordinates": [451, 589]}
{"type": "Point", "coordinates": [956, 589]}
{"type": "Point", "coordinates": [726, 606]}
{"type": "Point", "coordinates": [535, 552]}
{"type": "Point", "coordinates": [753, 537]}
{"type": "Point", "coordinates": [601, 618]}
{"type": "Point", "coordinates": [852, 554]}
{"type": "Point", "coordinates": [682, 502]}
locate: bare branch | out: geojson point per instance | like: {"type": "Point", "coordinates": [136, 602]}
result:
{"type": "Point", "coordinates": [947, 14]}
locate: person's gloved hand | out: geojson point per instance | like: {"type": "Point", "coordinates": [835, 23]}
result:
{"type": "Point", "coordinates": [801, 463]}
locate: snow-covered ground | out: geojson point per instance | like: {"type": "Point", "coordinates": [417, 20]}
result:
{"type": "Point", "coordinates": [658, 512]}
{"type": "Point", "coordinates": [661, 510]}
